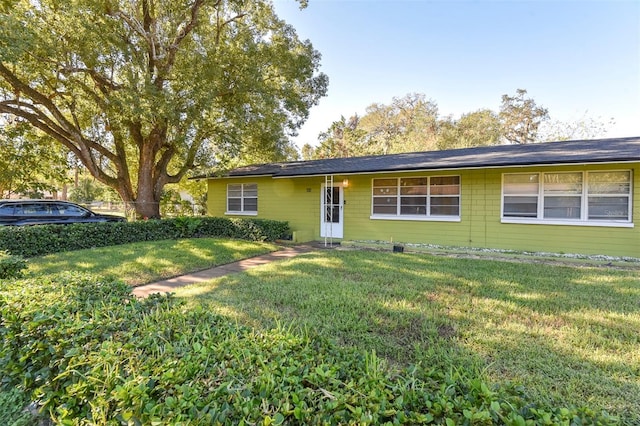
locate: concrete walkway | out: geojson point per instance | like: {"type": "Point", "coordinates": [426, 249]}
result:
{"type": "Point", "coordinates": [219, 271]}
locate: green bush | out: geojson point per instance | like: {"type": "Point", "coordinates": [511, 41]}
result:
{"type": "Point", "coordinates": [39, 240]}
{"type": "Point", "coordinates": [11, 266]}
{"type": "Point", "coordinates": [90, 353]}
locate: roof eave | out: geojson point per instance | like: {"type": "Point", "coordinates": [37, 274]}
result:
{"type": "Point", "coordinates": [475, 167]}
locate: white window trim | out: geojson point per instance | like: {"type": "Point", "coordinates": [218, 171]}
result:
{"type": "Point", "coordinates": [234, 213]}
{"type": "Point", "coordinates": [242, 197]}
{"type": "Point", "coordinates": [419, 218]}
{"type": "Point", "coordinates": [584, 221]}
{"type": "Point", "coordinates": [600, 223]}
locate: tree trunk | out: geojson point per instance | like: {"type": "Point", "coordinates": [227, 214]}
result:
{"type": "Point", "coordinates": [147, 208]}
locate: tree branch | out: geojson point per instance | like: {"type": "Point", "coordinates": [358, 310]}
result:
{"type": "Point", "coordinates": [101, 81]}
{"type": "Point", "coordinates": [37, 97]}
{"type": "Point", "coordinates": [183, 30]}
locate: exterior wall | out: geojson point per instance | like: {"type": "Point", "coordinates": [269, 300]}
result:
{"type": "Point", "coordinates": [297, 201]}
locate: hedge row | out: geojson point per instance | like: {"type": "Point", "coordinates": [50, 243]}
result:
{"type": "Point", "coordinates": [39, 240]}
{"type": "Point", "coordinates": [89, 353]}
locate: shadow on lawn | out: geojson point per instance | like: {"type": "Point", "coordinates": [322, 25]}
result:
{"type": "Point", "coordinates": [569, 333]}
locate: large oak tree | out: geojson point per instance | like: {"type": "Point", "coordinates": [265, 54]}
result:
{"type": "Point", "coordinates": [142, 90]}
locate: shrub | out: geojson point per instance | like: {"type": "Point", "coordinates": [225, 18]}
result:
{"type": "Point", "coordinates": [39, 240]}
{"type": "Point", "coordinates": [11, 266]}
{"type": "Point", "coordinates": [92, 354]}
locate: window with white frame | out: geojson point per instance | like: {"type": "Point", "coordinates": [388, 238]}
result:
{"type": "Point", "coordinates": [596, 196]}
{"type": "Point", "coordinates": [242, 198]}
{"type": "Point", "coordinates": [416, 197]}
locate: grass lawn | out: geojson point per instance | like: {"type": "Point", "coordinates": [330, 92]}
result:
{"type": "Point", "coordinates": [570, 335]}
{"type": "Point", "coordinates": [145, 262]}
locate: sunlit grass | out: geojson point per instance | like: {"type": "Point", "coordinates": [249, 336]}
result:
{"type": "Point", "coordinates": [144, 262]}
{"type": "Point", "coordinates": [569, 334]}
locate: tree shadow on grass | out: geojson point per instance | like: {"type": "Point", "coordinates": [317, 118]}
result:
{"type": "Point", "coordinates": [516, 322]}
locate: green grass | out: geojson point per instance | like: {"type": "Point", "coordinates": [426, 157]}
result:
{"type": "Point", "coordinates": [145, 262]}
{"type": "Point", "coordinates": [570, 335]}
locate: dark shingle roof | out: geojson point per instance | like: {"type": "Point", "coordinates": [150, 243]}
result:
{"type": "Point", "coordinates": [568, 152]}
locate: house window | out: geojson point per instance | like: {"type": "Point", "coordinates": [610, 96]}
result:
{"type": "Point", "coordinates": [567, 197]}
{"type": "Point", "coordinates": [416, 197]}
{"type": "Point", "coordinates": [242, 198]}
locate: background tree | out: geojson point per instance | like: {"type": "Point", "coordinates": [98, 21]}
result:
{"type": "Point", "coordinates": [307, 152]}
{"type": "Point", "coordinates": [143, 91]}
{"type": "Point", "coordinates": [86, 191]}
{"type": "Point", "coordinates": [521, 118]}
{"type": "Point", "coordinates": [342, 139]}
{"type": "Point", "coordinates": [583, 128]}
{"type": "Point", "coordinates": [479, 128]}
{"type": "Point", "coordinates": [409, 123]}
{"type": "Point", "coordinates": [30, 163]}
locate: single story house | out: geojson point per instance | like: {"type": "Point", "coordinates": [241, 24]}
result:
{"type": "Point", "coordinates": [578, 196]}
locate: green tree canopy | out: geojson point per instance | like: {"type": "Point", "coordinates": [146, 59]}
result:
{"type": "Point", "coordinates": [521, 118]}
{"type": "Point", "coordinates": [479, 128]}
{"type": "Point", "coordinates": [30, 162]}
{"type": "Point", "coordinates": [143, 91]}
{"type": "Point", "coordinates": [412, 123]}
{"type": "Point", "coordinates": [409, 123]}
{"type": "Point", "coordinates": [342, 139]}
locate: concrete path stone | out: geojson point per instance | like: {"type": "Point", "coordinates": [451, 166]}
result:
{"type": "Point", "coordinates": [169, 285]}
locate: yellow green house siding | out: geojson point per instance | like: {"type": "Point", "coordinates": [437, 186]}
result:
{"type": "Point", "coordinates": [297, 200]}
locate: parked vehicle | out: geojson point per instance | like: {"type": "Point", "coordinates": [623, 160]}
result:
{"type": "Point", "coordinates": [44, 212]}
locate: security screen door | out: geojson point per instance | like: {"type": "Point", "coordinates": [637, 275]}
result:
{"type": "Point", "coordinates": [331, 212]}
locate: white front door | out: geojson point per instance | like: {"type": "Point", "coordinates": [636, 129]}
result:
{"type": "Point", "coordinates": [331, 214]}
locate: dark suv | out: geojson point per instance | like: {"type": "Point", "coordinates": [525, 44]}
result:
{"type": "Point", "coordinates": [43, 212]}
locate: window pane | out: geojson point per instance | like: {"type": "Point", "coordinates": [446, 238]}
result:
{"type": "Point", "coordinates": [449, 206]}
{"type": "Point", "coordinates": [562, 207]}
{"type": "Point", "coordinates": [445, 201]}
{"type": "Point", "coordinates": [70, 210]}
{"type": "Point", "coordinates": [250, 204]}
{"type": "Point", "coordinates": [445, 190]}
{"type": "Point", "coordinates": [413, 186]}
{"type": "Point", "coordinates": [6, 210]}
{"type": "Point", "coordinates": [445, 180]}
{"type": "Point", "coordinates": [234, 204]}
{"type": "Point", "coordinates": [445, 185]}
{"type": "Point", "coordinates": [250, 190]}
{"type": "Point", "coordinates": [380, 201]}
{"type": "Point", "coordinates": [520, 207]}
{"type": "Point", "coordinates": [609, 208]}
{"type": "Point", "coordinates": [413, 210]}
{"type": "Point", "coordinates": [33, 210]}
{"type": "Point", "coordinates": [445, 210]}
{"type": "Point", "coordinates": [609, 182]}
{"type": "Point", "coordinates": [521, 183]}
{"type": "Point", "coordinates": [563, 183]}
{"type": "Point", "coordinates": [413, 181]}
{"type": "Point", "coordinates": [413, 205]}
{"type": "Point", "coordinates": [414, 190]}
{"type": "Point", "coordinates": [234, 190]}
{"type": "Point", "coordinates": [335, 210]}
{"type": "Point", "coordinates": [385, 182]}
{"type": "Point", "coordinates": [385, 191]}
{"type": "Point", "coordinates": [384, 209]}
{"type": "Point", "coordinates": [332, 195]}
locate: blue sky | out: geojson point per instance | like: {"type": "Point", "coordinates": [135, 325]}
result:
{"type": "Point", "coordinates": [573, 57]}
